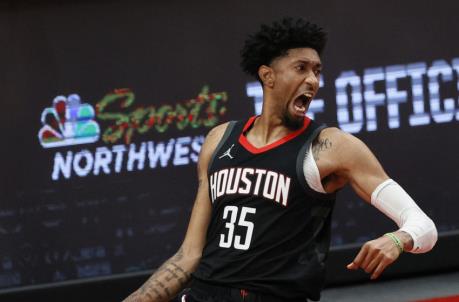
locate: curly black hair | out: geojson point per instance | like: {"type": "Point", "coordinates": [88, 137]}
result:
{"type": "Point", "coordinates": [273, 41]}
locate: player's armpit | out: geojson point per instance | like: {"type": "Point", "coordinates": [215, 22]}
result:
{"type": "Point", "coordinates": [175, 273]}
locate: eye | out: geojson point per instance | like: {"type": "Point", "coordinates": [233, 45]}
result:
{"type": "Point", "coordinates": [300, 67]}
{"type": "Point", "coordinates": [317, 72]}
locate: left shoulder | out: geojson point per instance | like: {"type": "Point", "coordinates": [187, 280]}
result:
{"type": "Point", "coordinates": [337, 135]}
{"type": "Point", "coordinates": [342, 158]}
{"type": "Point", "coordinates": [341, 147]}
{"type": "Point", "coordinates": [338, 140]}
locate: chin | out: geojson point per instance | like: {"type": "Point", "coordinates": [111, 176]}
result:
{"type": "Point", "coordinates": [293, 122]}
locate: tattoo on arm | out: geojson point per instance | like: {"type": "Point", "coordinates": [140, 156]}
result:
{"type": "Point", "coordinates": [165, 288]}
{"type": "Point", "coordinates": [177, 273]}
{"type": "Point", "coordinates": [320, 145]}
{"type": "Point", "coordinates": [167, 280]}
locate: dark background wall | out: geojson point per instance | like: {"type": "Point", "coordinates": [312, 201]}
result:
{"type": "Point", "coordinates": [68, 218]}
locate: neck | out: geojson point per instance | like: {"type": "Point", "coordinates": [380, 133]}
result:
{"type": "Point", "coordinates": [269, 126]}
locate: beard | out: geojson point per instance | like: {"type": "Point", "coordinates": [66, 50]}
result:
{"type": "Point", "coordinates": [292, 122]}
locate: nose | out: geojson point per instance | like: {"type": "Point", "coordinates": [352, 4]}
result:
{"type": "Point", "coordinates": [312, 81]}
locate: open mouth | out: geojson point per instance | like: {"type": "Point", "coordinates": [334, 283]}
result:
{"type": "Point", "coordinates": [300, 104]}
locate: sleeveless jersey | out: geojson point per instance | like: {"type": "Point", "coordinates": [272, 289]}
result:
{"type": "Point", "coordinates": [269, 232]}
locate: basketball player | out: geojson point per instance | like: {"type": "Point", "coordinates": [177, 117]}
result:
{"type": "Point", "coordinates": [260, 225]}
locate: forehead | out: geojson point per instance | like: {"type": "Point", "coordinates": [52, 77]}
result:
{"type": "Point", "coordinates": [306, 54]}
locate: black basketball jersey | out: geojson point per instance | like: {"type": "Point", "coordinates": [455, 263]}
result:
{"type": "Point", "coordinates": [269, 231]}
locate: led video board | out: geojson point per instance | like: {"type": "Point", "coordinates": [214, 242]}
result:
{"type": "Point", "coordinates": [105, 120]}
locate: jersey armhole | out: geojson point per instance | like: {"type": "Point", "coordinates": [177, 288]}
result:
{"type": "Point", "coordinates": [220, 144]}
{"type": "Point", "coordinates": [302, 156]}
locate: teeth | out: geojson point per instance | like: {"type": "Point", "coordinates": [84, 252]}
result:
{"type": "Point", "coordinates": [302, 109]}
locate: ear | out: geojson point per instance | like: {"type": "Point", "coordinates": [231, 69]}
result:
{"type": "Point", "coordinates": [266, 75]}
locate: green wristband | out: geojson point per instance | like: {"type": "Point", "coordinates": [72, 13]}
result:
{"type": "Point", "coordinates": [396, 240]}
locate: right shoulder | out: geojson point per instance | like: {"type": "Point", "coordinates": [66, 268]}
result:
{"type": "Point", "coordinates": [211, 142]}
{"type": "Point", "coordinates": [216, 133]}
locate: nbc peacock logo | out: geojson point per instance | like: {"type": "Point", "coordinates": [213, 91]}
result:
{"type": "Point", "coordinates": [68, 122]}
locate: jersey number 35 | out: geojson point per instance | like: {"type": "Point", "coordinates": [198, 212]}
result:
{"type": "Point", "coordinates": [230, 214]}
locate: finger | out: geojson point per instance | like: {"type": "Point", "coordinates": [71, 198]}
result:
{"type": "Point", "coordinates": [374, 263]}
{"type": "Point", "coordinates": [370, 256]}
{"type": "Point", "coordinates": [379, 269]}
{"type": "Point", "coordinates": [360, 256]}
{"type": "Point", "coordinates": [352, 266]}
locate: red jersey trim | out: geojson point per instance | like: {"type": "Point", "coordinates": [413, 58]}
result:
{"type": "Point", "coordinates": [252, 149]}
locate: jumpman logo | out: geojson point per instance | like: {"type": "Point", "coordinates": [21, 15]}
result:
{"type": "Point", "coordinates": [227, 153]}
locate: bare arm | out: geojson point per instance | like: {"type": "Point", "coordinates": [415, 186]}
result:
{"type": "Point", "coordinates": [175, 273]}
{"type": "Point", "coordinates": [344, 159]}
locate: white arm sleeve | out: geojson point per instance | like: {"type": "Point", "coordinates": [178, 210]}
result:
{"type": "Point", "coordinates": [390, 198]}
